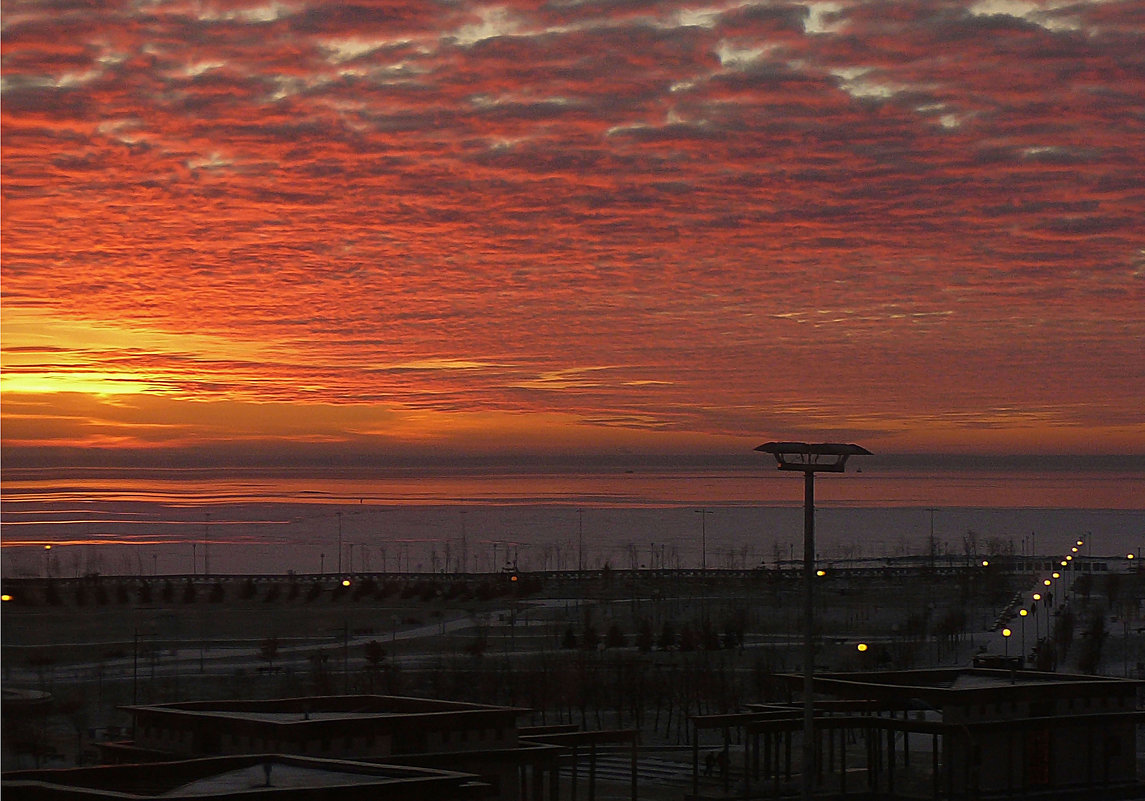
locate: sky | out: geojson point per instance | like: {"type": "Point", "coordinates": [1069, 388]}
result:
{"type": "Point", "coordinates": [252, 232]}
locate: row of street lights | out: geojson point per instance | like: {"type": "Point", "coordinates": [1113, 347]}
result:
{"type": "Point", "coordinates": [1037, 598]}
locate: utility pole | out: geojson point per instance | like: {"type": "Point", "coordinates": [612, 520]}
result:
{"type": "Point", "coordinates": [703, 513]}
{"type": "Point", "coordinates": [933, 547]}
{"type": "Point", "coordinates": [580, 539]}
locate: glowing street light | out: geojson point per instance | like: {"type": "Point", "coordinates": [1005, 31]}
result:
{"type": "Point", "coordinates": [825, 457]}
{"type": "Point", "coordinates": [1006, 637]}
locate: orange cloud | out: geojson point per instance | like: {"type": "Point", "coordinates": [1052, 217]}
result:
{"type": "Point", "coordinates": [579, 227]}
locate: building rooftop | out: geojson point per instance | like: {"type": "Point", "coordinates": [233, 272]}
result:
{"type": "Point", "coordinates": [224, 777]}
{"type": "Point", "coordinates": [327, 707]}
{"type": "Point", "coordinates": [280, 774]}
{"type": "Point", "coordinates": [943, 686]}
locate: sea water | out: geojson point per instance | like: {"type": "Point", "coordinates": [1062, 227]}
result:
{"type": "Point", "coordinates": [200, 522]}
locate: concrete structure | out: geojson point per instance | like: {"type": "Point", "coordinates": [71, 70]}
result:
{"type": "Point", "coordinates": [272, 777]}
{"type": "Point", "coordinates": [475, 738]}
{"type": "Point", "coordinates": [956, 733]}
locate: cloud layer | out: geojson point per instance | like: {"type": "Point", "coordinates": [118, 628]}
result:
{"type": "Point", "coordinates": [578, 226]}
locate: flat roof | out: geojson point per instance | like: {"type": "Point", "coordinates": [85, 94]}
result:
{"type": "Point", "coordinates": [322, 711]}
{"type": "Point", "coordinates": [362, 706]}
{"type": "Point", "coordinates": [220, 777]}
{"type": "Point", "coordinates": [943, 686]}
{"type": "Point", "coordinates": [282, 775]}
{"type": "Point", "coordinates": [292, 717]}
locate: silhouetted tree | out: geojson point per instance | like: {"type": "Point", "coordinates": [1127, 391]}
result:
{"type": "Point", "coordinates": [591, 637]}
{"type": "Point", "coordinates": [614, 638]}
{"type": "Point", "coordinates": [375, 653]}
{"type": "Point", "coordinates": [1092, 642]}
{"type": "Point", "coordinates": [268, 651]}
{"type": "Point", "coordinates": [320, 673]}
{"type": "Point", "coordinates": [644, 637]}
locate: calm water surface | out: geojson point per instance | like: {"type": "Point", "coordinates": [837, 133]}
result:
{"type": "Point", "coordinates": [191, 521]}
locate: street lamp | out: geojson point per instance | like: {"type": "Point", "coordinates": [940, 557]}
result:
{"type": "Point", "coordinates": [825, 457]}
{"type": "Point", "coordinates": [1023, 613]}
{"type": "Point", "coordinates": [579, 542]}
{"type": "Point", "coordinates": [703, 513]}
{"type": "Point", "coordinates": [1006, 636]}
{"type": "Point", "coordinates": [1037, 626]}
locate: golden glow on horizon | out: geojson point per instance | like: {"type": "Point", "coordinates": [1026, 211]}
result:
{"type": "Point", "coordinates": [8, 542]}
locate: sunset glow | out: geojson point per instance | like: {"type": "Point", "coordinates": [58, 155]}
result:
{"type": "Point", "coordinates": [248, 232]}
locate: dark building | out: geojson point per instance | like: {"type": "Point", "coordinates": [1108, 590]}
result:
{"type": "Point", "coordinates": [474, 738]}
{"type": "Point", "coordinates": [956, 733]}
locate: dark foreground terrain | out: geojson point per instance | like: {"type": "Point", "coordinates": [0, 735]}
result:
{"type": "Point", "coordinates": [605, 649]}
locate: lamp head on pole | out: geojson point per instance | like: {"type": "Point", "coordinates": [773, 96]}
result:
{"type": "Point", "coordinates": [819, 457]}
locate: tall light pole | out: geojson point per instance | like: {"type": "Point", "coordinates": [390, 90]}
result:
{"type": "Point", "coordinates": [464, 546]}
{"type": "Point", "coordinates": [1037, 626]}
{"type": "Point", "coordinates": [931, 543]}
{"type": "Point", "coordinates": [703, 513]}
{"type": "Point", "coordinates": [1023, 613]}
{"type": "Point", "coordinates": [339, 542]}
{"type": "Point", "coordinates": [825, 457]}
{"type": "Point", "coordinates": [580, 540]}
